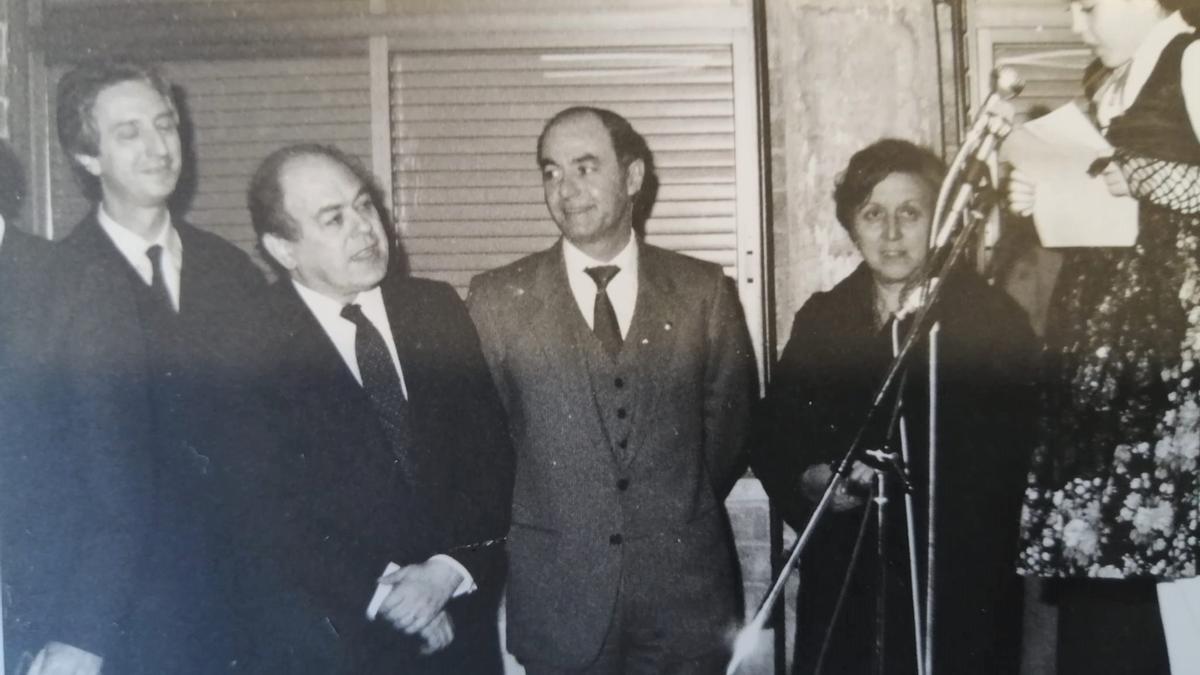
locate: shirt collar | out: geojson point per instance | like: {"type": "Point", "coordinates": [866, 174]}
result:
{"type": "Point", "coordinates": [1146, 55]}
{"type": "Point", "coordinates": [2, 228]}
{"type": "Point", "coordinates": [577, 261]}
{"type": "Point", "coordinates": [329, 311]}
{"type": "Point", "coordinates": [133, 247]}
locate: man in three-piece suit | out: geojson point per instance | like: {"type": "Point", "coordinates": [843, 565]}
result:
{"type": "Point", "coordinates": [392, 464]}
{"type": "Point", "coordinates": [627, 374]}
{"type": "Point", "coordinates": [137, 325]}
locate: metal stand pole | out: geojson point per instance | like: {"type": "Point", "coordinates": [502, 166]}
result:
{"type": "Point", "coordinates": [931, 534]}
{"type": "Point", "coordinates": [881, 500]}
{"type": "Point", "coordinates": [910, 522]}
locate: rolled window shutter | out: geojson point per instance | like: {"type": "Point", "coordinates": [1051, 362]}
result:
{"type": "Point", "coordinates": [468, 193]}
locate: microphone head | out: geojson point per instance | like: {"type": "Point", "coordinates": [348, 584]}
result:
{"type": "Point", "coordinates": [1007, 82]}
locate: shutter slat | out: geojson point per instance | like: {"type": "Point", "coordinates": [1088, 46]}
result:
{"type": "Point", "coordinates": [544, 94]}
{"type": "Point", "coordinates": [284, 103]}
{"type": "Point", "coordinates": [538, 61]}
{"type": "Point", "coordinates": [521, 78]}
{"type": "Point", "coordinates": [406, 179]}
{"type": "Point", "coordinates": [514, 244]}
{"type": "Point", "coordinates": [521, 195]}
{"type": "Point", "coordinates": [543, 111]}
{"type": "Point", "coordinates": [532, 211]}
{"type": "Point", "coordinates": [463, 146]}
{"type": "Point", "coordinates": [544, 226]}
{"type": "Point", "coordinates": [531, 128]}
{"type": "Point", "coordinates": [482, 162]}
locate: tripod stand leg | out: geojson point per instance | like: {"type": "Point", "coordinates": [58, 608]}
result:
{"type": "Point", "coordinates": [881, 500]}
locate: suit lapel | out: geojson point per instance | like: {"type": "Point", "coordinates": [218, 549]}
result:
{"type": "Point", "coordinates": [652, 337]}
{"type": "Point", "coordinates": [312, 364]}
{"type": "Point", "coordinates": [552, 311]}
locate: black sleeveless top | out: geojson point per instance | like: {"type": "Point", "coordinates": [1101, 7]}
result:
{"type": "Point", "coordinates": [1157, 124]}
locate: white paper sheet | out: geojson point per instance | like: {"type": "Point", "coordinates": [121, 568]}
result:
{"type": "Point", "coordinates": [381, 593]}
{"type": "Point", "coordinates": [1071, 208]}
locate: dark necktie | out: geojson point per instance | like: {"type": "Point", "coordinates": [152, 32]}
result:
{"type": "Point", "coordinates": [381, 382]}
{"type": "Point", "coordinates": [158, 284]}
{"type": "Point", "coordinates": [604, 317]}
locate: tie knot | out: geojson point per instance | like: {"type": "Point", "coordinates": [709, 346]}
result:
{"type": "Point", "coordinates": [353, 313]}
{"type": "Point", "coordinates": [602, 275]}
{"type": "Point", "coordinates": [154, 253]}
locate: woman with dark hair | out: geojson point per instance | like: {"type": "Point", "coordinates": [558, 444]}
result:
{"type": "Point", "coordinates": [839, 350]}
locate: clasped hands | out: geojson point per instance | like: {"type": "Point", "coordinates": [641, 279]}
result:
{"type": "Point", "coordinates": [416, 603]}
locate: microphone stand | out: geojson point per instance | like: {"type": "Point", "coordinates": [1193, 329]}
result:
{"type": "Point", "coordinates": [947, 250]}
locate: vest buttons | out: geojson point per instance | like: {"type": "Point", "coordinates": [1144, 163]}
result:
{"type": "Point", "coordinates": [620, 413]}
{"type": "Point", "coordinates": [623, 484]}
{"type": "Point", "coordinates": [623, 443]}
{"type": "Point", "coordinates": [615, 540]}
{"type": "Point", "coordinates": [619, 383]}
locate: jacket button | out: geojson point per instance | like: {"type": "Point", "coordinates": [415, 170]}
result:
{"type": "Point", "coordinates": [623, 484]}
{"type": "Point", "coordinates": [620, 413]}
{"type": "Point", "coordinates": [615, 540]}
{"type": "Point", "coordinates": [619, 382]}
{"type": "Point", "coordinates": [623, 443]}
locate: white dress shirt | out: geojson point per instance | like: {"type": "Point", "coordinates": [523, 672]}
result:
{"type": "Point", "coordinates": [1122, 89]}
{"type": "Point", "coordinates": [133, 248]}
{"type": "Point", "coordinates": [341, 332]}
{"type": "Point", "coordinates": [622, 289]}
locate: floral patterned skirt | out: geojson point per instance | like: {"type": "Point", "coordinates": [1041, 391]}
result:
{"type": "Point", "coordinates": [1113, 490]}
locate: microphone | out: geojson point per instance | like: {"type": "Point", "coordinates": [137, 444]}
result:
{"type": "Point", "coordinates": [991, 125]}
{"type": "Point", "coordinates": [1007, 82]}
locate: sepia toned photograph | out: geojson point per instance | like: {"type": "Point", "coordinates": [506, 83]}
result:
{"type": "Point", "coordinates": [599, 337]}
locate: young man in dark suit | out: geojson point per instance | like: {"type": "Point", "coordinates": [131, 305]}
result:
{"type": "Point", "coordinates": [391, 471]}
{"type": "Point", "coordinates": [627, 373]}
{"type": "Point", "coordinates": [141, 304]}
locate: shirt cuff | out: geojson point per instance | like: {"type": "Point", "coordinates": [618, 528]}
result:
{"type": "Point", "coordinates": [467, 585]}
{"type": "Point", "coordinates": [468, 582]}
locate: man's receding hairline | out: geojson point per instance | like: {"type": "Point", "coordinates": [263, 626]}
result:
{"type": "Point", "coordinates": [581, 114]}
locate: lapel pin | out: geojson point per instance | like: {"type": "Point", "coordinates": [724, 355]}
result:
{"type": "Point", "coordinates": [668, 326]}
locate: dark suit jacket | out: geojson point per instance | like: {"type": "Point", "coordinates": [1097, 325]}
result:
{"type": "Point", "coordinates": [342, 509]}
{"type": "Point", "coordinates": [26, 546]}
{"type": "Point", "coordinates": [129, 417]}
{"type": "Point", "coordinates": [695, 380]}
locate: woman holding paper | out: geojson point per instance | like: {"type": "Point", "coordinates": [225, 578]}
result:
{"type": "Point", "coordinates": [1113, 504]}
{"type": "Point", "coordinates": [840, 348]}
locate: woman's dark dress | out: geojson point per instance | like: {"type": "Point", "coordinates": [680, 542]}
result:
{"type": "Point", "coordinates": [822, 387]}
